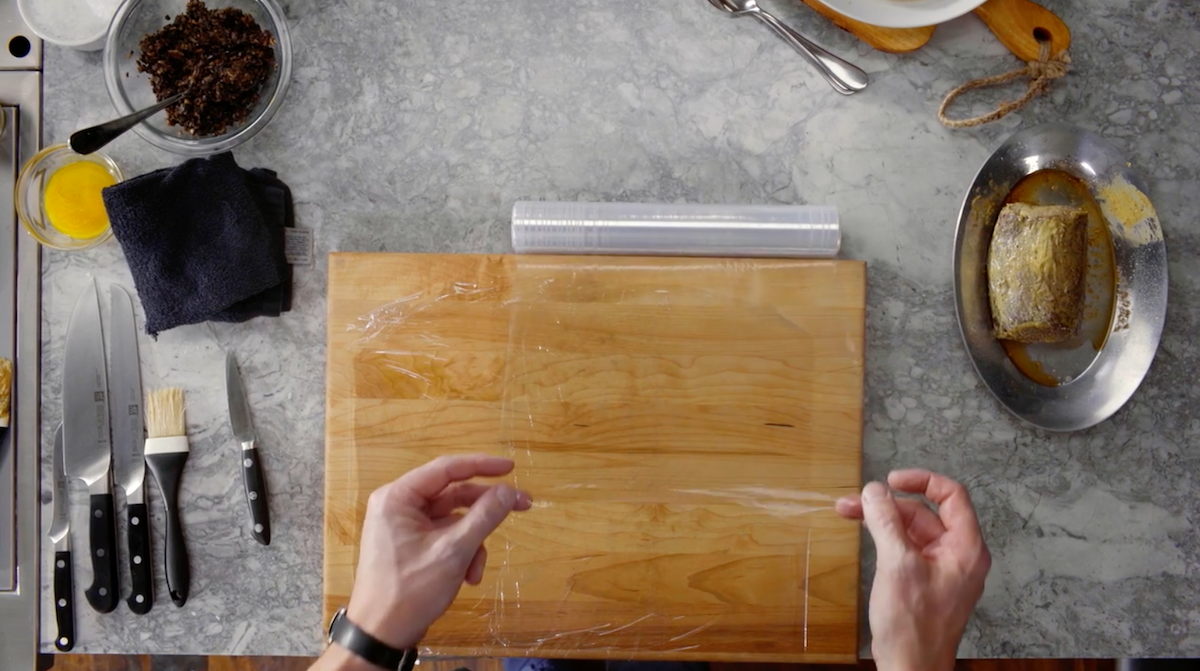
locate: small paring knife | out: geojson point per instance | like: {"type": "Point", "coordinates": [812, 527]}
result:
{"type": "Point", "coordinates": [252, 472]}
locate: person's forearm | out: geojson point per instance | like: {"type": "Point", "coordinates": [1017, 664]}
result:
{"type": "Point", "coordinates": [337, 658]}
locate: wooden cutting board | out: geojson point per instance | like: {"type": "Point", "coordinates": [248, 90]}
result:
{"type": "Point", "coordinates": [684, 426]}
{"type": "Point", "coordinates": [1021, 25]}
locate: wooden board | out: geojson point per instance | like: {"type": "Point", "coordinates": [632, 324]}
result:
{"type": "Point", "coordinates": [1018, 24]}
{"type": "Point", "coordinates": [61, 662]}
{"type": "Point", "coordinates": [892, 40]}
{"type": "Point", "coordinates": [1021, 24]}
{"type": "Point", "coordinates": [684, 426]}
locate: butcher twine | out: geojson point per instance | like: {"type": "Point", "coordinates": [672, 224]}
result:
{"type": "Point", "coordinates": [1041, 72]}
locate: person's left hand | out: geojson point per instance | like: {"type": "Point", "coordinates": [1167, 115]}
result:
{"type": "Point", "coordinates": [417, 549]}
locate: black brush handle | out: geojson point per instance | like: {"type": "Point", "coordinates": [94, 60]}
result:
{"type": "Point", "coordinates": [141, 573]}
{"type": "Point", "coordinates": [104, 592]}
{"type": "Point", "coordinates": [256, 496]}
{"type": "Point", "coordinates": [64, 601]}
{"type": "Point", "coordinates": [167, 468]}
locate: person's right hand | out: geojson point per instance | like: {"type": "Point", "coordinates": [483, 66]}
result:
{"type": "Point", "coordinates": [417, 549]}
{"type": "Point", "coordinates": [929, 572]}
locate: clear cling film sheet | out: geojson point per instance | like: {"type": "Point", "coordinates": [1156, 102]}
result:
{"type": "Point", "coordinates": [684, 426]}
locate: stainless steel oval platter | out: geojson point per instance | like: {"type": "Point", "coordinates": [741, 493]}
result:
{"type": "Point", "coordinates": [1077, 384]}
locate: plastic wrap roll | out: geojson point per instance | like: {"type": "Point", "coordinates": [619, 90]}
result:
{"type": "Point", "coordinates": [796, 231]}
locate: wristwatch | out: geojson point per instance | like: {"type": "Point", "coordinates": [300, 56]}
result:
{"type": "Point", "coordinates": [348, 635]}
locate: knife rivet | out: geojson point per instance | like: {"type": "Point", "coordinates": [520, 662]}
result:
{"type": "Point", "coordinates": [63, 640]}
{"type": "Point", "coordinates": [137, 559]}
{"type": "Point", "coordinates": [97, 514]}
{"type": "Point", "coordinates": [253, 496]}
{"type": "Point", "coordinates": [62, 603]}
{"type": "Point", "coordinates": [134, 521]}
{"type": "Point", "coordinates": [258, 528]}
{"type": "Point", "coordinates": [100, 552]}
{"type": "Point", "coordinates": [139, 598]}
{"type": "Point", "coordinates": [248, 463]}
{"type": "Point", "coordinates": [60, 563]}
{"type": "Point", "coordinates": [103, 591]}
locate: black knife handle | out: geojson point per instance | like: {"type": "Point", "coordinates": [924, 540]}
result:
{"type": "Point", "coordinates": [141, 574]}
{"type": "Point", "coordinates": [167, 468]}
{"type": "Point", "coordinates": [64, 601]}
{"type": "Point", "coordinates": [104, 592]}
{"type": "Point", "coordinates": [256, 496]}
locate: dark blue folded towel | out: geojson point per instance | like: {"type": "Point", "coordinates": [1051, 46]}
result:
{"type": "Point", "coordinates": [275, 201]}
{"type": "Point", "coordinates": [204, 241]}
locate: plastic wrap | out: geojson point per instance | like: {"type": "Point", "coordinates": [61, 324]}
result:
{"type": "Point", "coordinates": [1037, 271]}
{"type": "Point", "coordinates": [683, 426]}
{"type": "Point", "coordinates": [671, 229]}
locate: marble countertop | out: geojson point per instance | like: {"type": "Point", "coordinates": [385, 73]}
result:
{"type": "Point", "coordinates": [412, 127]}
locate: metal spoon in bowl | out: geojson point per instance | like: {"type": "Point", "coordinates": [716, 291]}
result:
{"type": "Point", "coordinates": [92, 139]}
{"type": "Point", "coordinates": [845, 78]}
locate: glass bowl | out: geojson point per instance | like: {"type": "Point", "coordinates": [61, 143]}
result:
{"type": "Point", "coordinates": [130, 90]}
{"type": "Point", "coordinates": [31, 186]}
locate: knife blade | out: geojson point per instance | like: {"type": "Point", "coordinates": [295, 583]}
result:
{"type": "Point", "coordinates": [129, 436]}
{"type": "Point", "coordinates": [87, 452]}
{"type": "Point", "coordinates": [60, 535]}
{"type": "Point", "coordinates": [252, 472]}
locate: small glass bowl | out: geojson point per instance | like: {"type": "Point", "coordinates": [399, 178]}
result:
{"type": "Point", "coordinates": [33, 19]}
{"type": "Point", "coordinates": [130, 90]}
{"type": "Point", "coordinates": [31, 187]}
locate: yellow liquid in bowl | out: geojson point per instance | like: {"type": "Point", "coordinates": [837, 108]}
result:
{"type": "Point", "coordinates": [73, 202]}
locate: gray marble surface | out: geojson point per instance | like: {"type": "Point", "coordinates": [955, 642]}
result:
{"type": "Point", "coordinates": [414, 127]}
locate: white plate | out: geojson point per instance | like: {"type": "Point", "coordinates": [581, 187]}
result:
{"type": "Point", "coordinates": [903, 13]}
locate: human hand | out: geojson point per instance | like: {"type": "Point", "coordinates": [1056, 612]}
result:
{"type": "Point", "coordinates": [929, 572]}
{"type": "Point", "coordinates": [417, 549]}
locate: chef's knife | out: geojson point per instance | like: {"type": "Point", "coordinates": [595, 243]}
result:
{"type": "Point", "coordinates": [60, 534]}
{"type": "Point", "coordinates": [128, 434]}
{"type": "Point", "coordinates": [87, 452]}
{"type": "Point", "coordinates": [252, 473]}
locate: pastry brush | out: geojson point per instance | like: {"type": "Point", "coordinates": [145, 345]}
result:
{"type": "Point", "coordinates": [166, 453]}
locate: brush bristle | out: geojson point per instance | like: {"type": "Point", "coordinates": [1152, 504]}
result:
{"type": "Point", "coordinates": [6, 373]}
{"type": "Point", "coordinates": [164, 413]}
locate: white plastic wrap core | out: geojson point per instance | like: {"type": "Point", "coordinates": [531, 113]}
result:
{"type": "Point", "coordinates": [793, 231]}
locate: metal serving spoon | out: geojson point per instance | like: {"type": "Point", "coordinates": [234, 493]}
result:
{"type": "Point", "coordinates": [845, 78]}
{"type": "Point", "coordinates": [92, 139]}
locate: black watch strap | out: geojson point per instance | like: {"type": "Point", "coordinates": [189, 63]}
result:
{"type": "Point", "coordinates": [347, 634]}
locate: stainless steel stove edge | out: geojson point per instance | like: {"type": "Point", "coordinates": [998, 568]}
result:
{"type": "Point", "coordinates": [20, 340]}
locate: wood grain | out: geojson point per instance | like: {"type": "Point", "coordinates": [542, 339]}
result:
{"type": "Point", "coordinates": [177, 663]}
{"type": "Point", "coordinates": [1020, 23]}
{"type": "Point", "coordinates": [216, 663]}
{"type": "Point", "coordinates": [1014, 23]}
{"type": "Point", "coordinates": [684, 426]}
{"type": "Point", "coordinates": [892, 40]}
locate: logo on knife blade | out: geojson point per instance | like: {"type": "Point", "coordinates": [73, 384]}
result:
{"type": "Point", "coordinates": [98, 396]}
